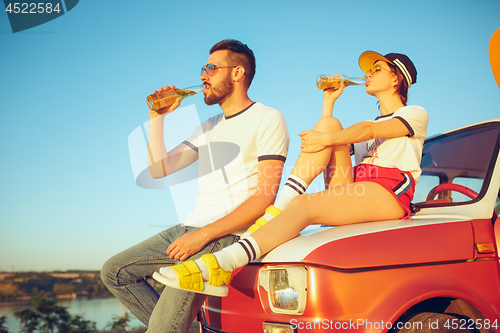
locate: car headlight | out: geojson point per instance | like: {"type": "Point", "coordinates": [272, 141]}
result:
{"type": "Point", "coordinates": [286, 287]}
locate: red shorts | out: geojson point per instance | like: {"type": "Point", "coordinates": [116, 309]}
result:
{"type": "Point", "coordinates": [399, 183]}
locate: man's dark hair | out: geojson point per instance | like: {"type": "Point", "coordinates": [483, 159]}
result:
{"type": "Point", "coordinates": [240, 55]}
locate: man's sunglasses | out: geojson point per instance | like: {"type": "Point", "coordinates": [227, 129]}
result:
{"type": "Point", "coordinates": [212, 69]}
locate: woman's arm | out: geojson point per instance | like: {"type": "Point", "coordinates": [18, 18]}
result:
{"type": "Point", "coordinates": [329, 97]}
{"type": "Point", "coordinates": [313, 141]}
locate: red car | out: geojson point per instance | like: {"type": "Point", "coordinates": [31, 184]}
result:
{"type": "Point", "coordinates": [437, 271]}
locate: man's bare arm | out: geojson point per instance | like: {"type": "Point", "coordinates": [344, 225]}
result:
{"type": "Point", "coordinates": [162, 163]}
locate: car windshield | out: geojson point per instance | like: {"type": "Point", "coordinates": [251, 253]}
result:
{"type": "Point", "coordinates": [457, 166]}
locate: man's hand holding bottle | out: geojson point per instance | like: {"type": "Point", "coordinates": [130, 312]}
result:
{"type": "Point", "coordinates": [172, 101]}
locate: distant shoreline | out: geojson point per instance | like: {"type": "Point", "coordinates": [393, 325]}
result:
{"type": "Point", "coordinates": [56, 285]}
{"type": "Point", "coordinates": [28, 302]}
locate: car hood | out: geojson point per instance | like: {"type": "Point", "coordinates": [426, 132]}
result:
{"type": "Point", "coordinates": [421, 239]}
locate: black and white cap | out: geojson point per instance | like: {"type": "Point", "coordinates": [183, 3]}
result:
{"type": "Point", "coordinates": [369, 58]}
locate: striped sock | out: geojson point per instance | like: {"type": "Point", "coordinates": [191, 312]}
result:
{"type": "Point", "coordinates": [294, 186]}
{"type": "Point", "coordinates": [238, 254]}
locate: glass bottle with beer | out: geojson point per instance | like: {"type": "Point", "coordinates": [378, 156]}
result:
{"type": "Point", "coordinates": [333, 81]}
{"type": "Point", "coordinates": [166, 98]}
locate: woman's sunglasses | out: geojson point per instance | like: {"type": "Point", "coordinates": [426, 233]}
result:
{"type": "Point", "coordinates": [374, 70]}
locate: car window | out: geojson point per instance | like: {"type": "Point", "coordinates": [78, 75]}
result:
{"type": "Point", "coordinates": [425, 184]}
{"type": "Point", "coordinates": [457, 166]}
{"type": "Point", "coordinates": [474, 184]}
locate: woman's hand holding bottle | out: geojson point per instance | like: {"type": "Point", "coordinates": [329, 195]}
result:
{"type": "Point", "coordinates": [332, 94]}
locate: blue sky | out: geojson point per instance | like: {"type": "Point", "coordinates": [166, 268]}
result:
{"type": "Point", "coordinates": [73, 90]}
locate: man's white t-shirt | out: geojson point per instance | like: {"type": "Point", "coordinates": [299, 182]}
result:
{"type": "Point", "coordinates": [229, 150]}
{"type": "Point", "coordinates": [404, 153]}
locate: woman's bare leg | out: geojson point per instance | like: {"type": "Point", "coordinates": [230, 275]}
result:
{"type": "Point", "coordinates": [339, 169]}
{"type": "Point", "coordinates": [334, 161]}
{"type": "Point", "coordinates": [339, 205]}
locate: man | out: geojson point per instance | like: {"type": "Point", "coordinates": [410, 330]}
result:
{"type": "Point", "coordinates": [232, 195]}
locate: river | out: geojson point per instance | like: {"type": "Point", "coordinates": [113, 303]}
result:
{"type": "Point", "coordinates": [100, 310]}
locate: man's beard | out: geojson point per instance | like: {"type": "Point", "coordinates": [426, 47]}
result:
{"type": "Point", "coordinates": [216, 95]}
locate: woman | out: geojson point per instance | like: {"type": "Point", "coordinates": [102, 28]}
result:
{"type": "Point", "coordinates": [388, 152]}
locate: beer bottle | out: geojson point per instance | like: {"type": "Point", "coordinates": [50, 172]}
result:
{"type": "Point", "coordinates": [166, 98]}
{"type": "Point", "coordinates": [333, 81]}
